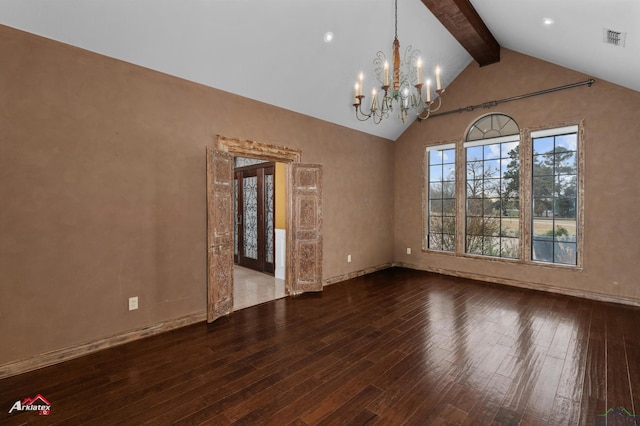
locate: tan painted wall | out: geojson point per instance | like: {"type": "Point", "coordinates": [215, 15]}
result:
{"type": "Point", "coordinates": [611, 117]}
{"type": "Point", "coordinates": [102, 182]}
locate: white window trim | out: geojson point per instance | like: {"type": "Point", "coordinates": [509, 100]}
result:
{"type": "Point", "coordinates": [490, 141]}
{"type": "Point", "coordinates": [441, 147]}
{"type": "Point", "coordinates": [558, 131]}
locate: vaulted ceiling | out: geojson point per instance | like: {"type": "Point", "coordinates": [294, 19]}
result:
{"type": "Point", "coordinates": [275, 51]}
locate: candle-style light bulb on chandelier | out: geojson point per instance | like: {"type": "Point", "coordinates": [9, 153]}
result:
{"type": "Point", "coordinates": [402, 89]}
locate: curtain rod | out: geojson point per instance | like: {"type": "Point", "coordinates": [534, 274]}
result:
{"type": "Point", "coordinates": [514, 98]}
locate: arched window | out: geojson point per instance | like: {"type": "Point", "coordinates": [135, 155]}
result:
{"type": "Point", "coordinates": [492, 126]}
{"type": "Point", "coordinates": [492, 165]}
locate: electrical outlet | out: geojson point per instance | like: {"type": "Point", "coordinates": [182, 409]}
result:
{"type": "Point", "coordinates": [348, 258]}
{"type": "Point", "coordinates": [133, 303]}
{"type": "Point", "coordinates": [408, 250]}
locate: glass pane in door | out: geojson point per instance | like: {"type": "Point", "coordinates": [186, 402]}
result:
{"type": "Point", "coordinates": [250, 224]}
{"type": "Point", "coordinates": [268, 189]}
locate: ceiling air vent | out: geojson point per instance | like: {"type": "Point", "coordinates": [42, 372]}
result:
{"type": "Point", "coordinates": [615, 38]}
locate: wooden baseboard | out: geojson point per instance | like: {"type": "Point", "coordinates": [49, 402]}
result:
{"type": "Point", "coordinates": [350, 275]}
{"type": "Point", "coordinates": [528, 285]}
{"type": "Point", "coordinates": [65, 354]}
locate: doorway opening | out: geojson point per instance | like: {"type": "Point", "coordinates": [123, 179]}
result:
{"type": "Point", "coordinates": [259, 231]}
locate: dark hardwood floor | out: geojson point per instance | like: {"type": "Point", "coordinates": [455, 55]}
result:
{"type": "Point", "coordinates": [393, 347]}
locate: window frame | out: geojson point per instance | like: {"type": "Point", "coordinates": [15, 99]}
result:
{"type": "Point", "coordinates": [555, 131]}
{"type": "Point", "coordinates": [427, 197]}
{"type": "Point", "coordinates": [482, 143]}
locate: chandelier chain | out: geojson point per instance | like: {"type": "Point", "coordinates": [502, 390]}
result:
{"type": "Point", "coordinates": [396, 19]}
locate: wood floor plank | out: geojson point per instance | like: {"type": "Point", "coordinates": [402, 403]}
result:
{"type": "Point", "coordinates": [618, 386]}
{"type": "Point", "coordinates": [393, 347]}
{"type": "Point", "coordinates": [594, 398]}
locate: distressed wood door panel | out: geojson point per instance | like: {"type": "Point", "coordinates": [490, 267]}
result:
{"type": "Point", "coordinates": [304, 266]}
{"type": "Point", "coordinates": [220, 231]}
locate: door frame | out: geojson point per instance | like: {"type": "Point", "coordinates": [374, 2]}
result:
{"type": "Point", "coordinates": [247, 148]}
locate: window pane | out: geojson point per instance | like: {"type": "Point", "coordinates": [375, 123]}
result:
{"type": "Point", "coordinates": [474, 244]}
{"type": "Point", "coordinates": [509, 149]}
{"type": "Point", "coordinates": [569, 142]}
{"type": "Point", "coordinates": [448, 242]}
{"type": "Point", "coordinates": [542, 207]}
{"type": "Point", "coordinates": [542, 250]}
{"type": "Point", "coordinates": [449, 172]}
{"type": "Point", "coordinates": [435, 173]}
{"type": "Point", "coordinates": [435, 241]}
{"type": "Point", "coordinates": [435, 157]}
{"type": "Point", "coordinates": [510, 227]}
{"type": "Point", "coordinates": [509, 247]}
{"type": "Point", "coordinates": [474, 207]}
{"type": "Point", "coordinates": [491, 188]}
{"type": "Point", "coordinates": [542, 227]}
{"type": "Point", "coordinates": [564, 253]}
{"type": "Point", "coordinates": [435, 207]}
{"type": "Point", "coordinates": [474, 169]}
{"type": "Point", "coordinates": [474, 153]}
{"type": "Point", "coordinates": [449, 225]}
{"type": "Point", "coordinates": [449, 156]}
{"type": "Point", "coordinates": [543, 186]}
{"type": "Point", "coordinates": [475, 188]}
{"type": "Point", "coordinates": [565, 208]}
{"type": "Point", "coordinates": [435, 225]}
{"type": "Point", "coordinates": [475, 226]}
{"type": "Point", "coordinates": [543, 165]}
{"type": "Point", "coordinates": [435, 190]}
{"type": "Point", "coordinates": [511, 207]}
{"type": "Point", "coordinates": [492, 151]}
{"type": "Point", "coordinates": [491, 246]}
{"type": "Point", "coordinates": [566, 163]}
{"type": "Point", "coordinates": [566, 186]}
{"type": "Point", "coordinates": [491, 207]}
{"type": "Point", "coordinates": [491, 169]}
{"type": "Point", "coordinates": [448, 189]}
{"type": "Point", "coordinates": [511, 187]}
{"type": "Point", "coordinates": [543, 145]}
{"type": "Point", "coordinates": [491, 226]}
{"type": "Point", "coordinates": [449, 207]}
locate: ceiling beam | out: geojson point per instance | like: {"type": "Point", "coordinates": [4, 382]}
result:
{"type": "Point", "coordinates": [464, 23]}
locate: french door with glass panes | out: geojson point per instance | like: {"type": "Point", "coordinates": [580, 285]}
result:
{"type": "Point", "coordinates": [254, 217]}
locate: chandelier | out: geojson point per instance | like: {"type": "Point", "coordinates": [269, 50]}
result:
{"type": "Point", "coordinates": [402, 88]}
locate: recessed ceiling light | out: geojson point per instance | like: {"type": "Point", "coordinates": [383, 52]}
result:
{"type": "Point", "coordinates": [547, 21]}
{"type": "Point", "coordinates": [328, 37]}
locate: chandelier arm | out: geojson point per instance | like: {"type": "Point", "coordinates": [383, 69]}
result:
{"type": "Point", "coordinates": [364, 116]}
{"type": "Point", "coordinates": [434, 109]}
{"type": "Point", "coordinates": [424, 114]}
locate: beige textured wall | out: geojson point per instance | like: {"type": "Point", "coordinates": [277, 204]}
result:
{"type": "Point", "coordinates": [102, 184]}
{"type": "Point", "coordinates": [611, 117]}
